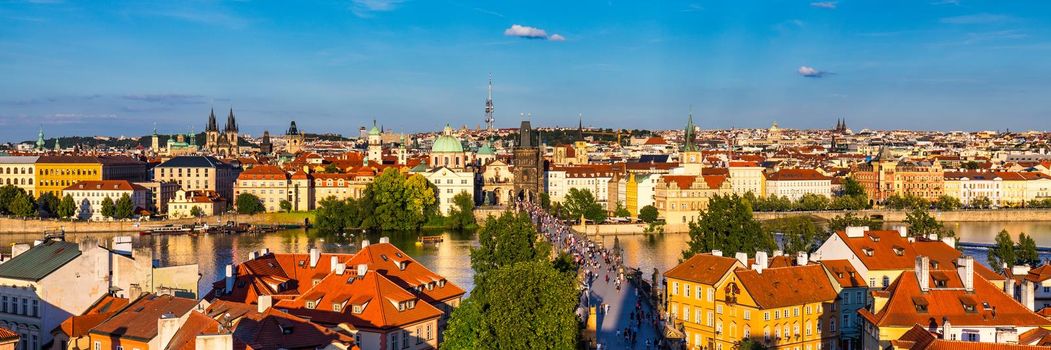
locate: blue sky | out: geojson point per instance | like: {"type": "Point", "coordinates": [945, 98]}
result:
{"type": "Point", "coordinates": [117, 68]}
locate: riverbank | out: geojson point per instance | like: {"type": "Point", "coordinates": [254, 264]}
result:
{"type": "Point", "coordinates": [11, 225]}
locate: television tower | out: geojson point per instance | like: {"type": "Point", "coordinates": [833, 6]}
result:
{"type": "Point", "coordinates": [489, 106]}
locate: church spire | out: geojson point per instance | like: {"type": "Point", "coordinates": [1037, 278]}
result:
{"type": "Point", "coordinates": [231, 122]}
{"type": "Point", "coordinates": [580, 126]}
{"type": "Point", "coordinates": [211, 122]}
{"type": "Point", "coordinates": [40, 139]}
{"type": "Point", "coordinates": [688, 134]}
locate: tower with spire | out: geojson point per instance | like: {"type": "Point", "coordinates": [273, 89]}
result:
{"type": "Point", "coordinates": [40, 139]}
{"type": "Point", "coordinates": [223, 142]}
{"type": "Point", "coordinates": [294, 139]}
{"type": "Point", "coordinates": [489, 109]}
{"type": "Point", "coordinates": [691, 157]}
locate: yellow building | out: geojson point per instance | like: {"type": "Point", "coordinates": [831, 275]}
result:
{"type": "Point", "coordinates": [681, 198]}
{"type": "Point", "coordinates": [55, 173]}
{"type": "Point", "coordinates": [716, 302]}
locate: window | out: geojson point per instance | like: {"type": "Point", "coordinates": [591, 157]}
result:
{"type": "Point", "coordinates": [719, 309]}
{"type": "Point", "coordinates": [336, 307]}
{"type": "Point", "coordinates": [711, 294]}
{"type": "Point", "coordinates": [98, 345]}
{"type": "Point", "coordinates": [394, 340]}
{"type": "Point", "coordinates": [36, 308]}
{"type": "Point", "coordinates": [404, 339]}
{"type": "Point", "coordinates": [686, 289]}
{"type": "Point", "coordinates": [711, 319]}
{"type": "Point", "coordinates": [675, 288]}
{"type": "Point", "coordinates": [766, 316]}
{"type": "Point", "coordinates": [686, 313]}
{"type": "Point", "coordinates": [872, 282]}
{"type": "Point", "coordinates": [429, 336]}
{"type": "Point", "coordinates": [747, 314]}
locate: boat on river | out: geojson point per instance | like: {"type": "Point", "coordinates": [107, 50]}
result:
{"type": "Point", "coordinates": [169, 229]}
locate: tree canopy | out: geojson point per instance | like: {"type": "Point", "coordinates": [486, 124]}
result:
{"type": "Point", "coordinates": [505, 240]}
{"type": "Point", "coordinates": [583, 203]}
{"type": "Point", "coordinates": [1003, 253]}
{"type": "Point", "coordinates": [727, 225]}
{"type": "Point", "coordinates": [461, 215]}
{"type": "Point", "coordinates": [124, 208]}
{"type": "Point", "coordinates": [248, 203]}
{"type": "Point", "coordinates": [108, 208]}
{"type": "Point", "coordinates": [398, 203]}
{"type": "Point", "coordinates": [798, 233]}
{"type": "Point", "coordinates": [648, 214]}
{"type": "Point", "coordinates": [67, 208]}
{"type": "Point", "coordinates": [841, 222]}
{"type": "Point", "coordinates": [22, 205]}
{"type": "Point", "coordinates": [922, 224]}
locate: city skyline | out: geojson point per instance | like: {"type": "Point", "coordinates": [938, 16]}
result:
{"type": "Point", "coordinates": [86, 69]}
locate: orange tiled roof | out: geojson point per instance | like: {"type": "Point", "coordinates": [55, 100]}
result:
{"type": "Point", "coordinates": [196, 324]}
{"type": "Point", "coordinates": [275, 329]}
{"type": "Point", "coordinates": [406, 272]}
{"type": "Point", "coordinates": [1040, 273]}
{"type": "Point", "coordinates": [377, 294]}
{"type": "Point", "coordinates": [7, 335]}
{"type": "Point", "coordinates": [918, 338]}
{"type": "Point", "coordinates": [79, 325]}
{"type": "Point", "coordinates": [263, 172]}
{"type": "Point", "coordinates": [844, 273]}
{"type": "Point", "coordinates": [881, 249]}
{"type": "Point", "coordinates": [947, 302]}
{"type": "Point", "coordinates": [703, 268]}
{"type": "Point", "coordinates": [139, 320]}
{"type": "Point", "coordinates": [785, 286]}
{"type": "Point", "coordinates": [714, 181]}
{"type": "Point", "coordinates": [105, 185]}
{"type": "Point", "coordinates": [681, 181]}
{"type": "Point", "coordinates": [796, 175]}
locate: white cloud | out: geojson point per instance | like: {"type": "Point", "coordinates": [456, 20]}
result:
{"type": "Point", "coordinates": [981, 18]}
{"type": "Point", "coordinates": [525, 32]}
{"type": "Point", "coordinates": [811, 72]}
{"type": "Point", "coordinates": [824, 4]}
{"type": "Point", "coordinates": [365, 8]}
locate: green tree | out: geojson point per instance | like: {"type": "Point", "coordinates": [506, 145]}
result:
{"type": "Point", "coordinates": [583, 202]}
{"type": "Point", "coordinates": [981, 203]}
{"type": "Point", "coordinates": [852, 188]}
{"type": "Point", "coordinates": [124, 207]}
{"type": "Point", "coordinates": [812, 202]}
{"type": "Point", "coordinates": [48, 203]}
{"type": "Point", "coordinates": [840, 223]}
{"type": "Point", "coordinates": [727, 225]}
{"type": "Point", "coordinates": [621, 211]}
{"type": "Point", "coordinates": [947, 203]}
{"type": "Point", "coordinates": [196, 212]}
{"type": "Point", "coordinates": [22, 205]}
{"type": "Point", "coordinates": [545, 200]}
{"type": "Point", "coordinates": [1026, 253]}
{"type": "Point", "coordinates": [505, 240]}
{"type": "Point", "coordinates": [336, 216]}
{"type": "Point", "coordinates": [543, 311]}
{"type": "Point", "coordinates": [922, 224]}
{"type": "Point", "coordinates": [1003, 254]}
{"type": "Point", "coordinates": [67, 208]}
{"type": "Point", "coordinates": [798, 233]}
{"type": "Point", "coordinates": [248, 203]}
{"type": "Point", "coordinates": [461, 215]}
{"type": "Point", "coordinates": [648, 214]}
{"type": "Point", "coordinates": [285, 205]}
{"type": "Point", "coordinates": [108, 208]}
{"type": "Point", "coordinates": [399, 203]}
{"type": "Point", "coordinates": [332, 169]}
{"type": "Point", "coordinates": [8, 193]}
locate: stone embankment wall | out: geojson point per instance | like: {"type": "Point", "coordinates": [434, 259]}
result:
{"type": "Point", "coordinates": [11, 225]}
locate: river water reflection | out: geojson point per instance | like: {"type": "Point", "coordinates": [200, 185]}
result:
{"type": "Point", "coordinates": [451, 258]}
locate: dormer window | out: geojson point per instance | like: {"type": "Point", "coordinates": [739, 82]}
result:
{"type": "Point", "coordinates": [358, 308]}
{"type": "Point", "coordinates": [337, 307]}
{"type": "Point", "coordinates": [868, 251]}
{"type": "Point", "coordinates": [317, 281]}
{"type": "Point", "coordinates": [441, 283]}
{"type": "Point", "coordinates": [311, 305]}
{"type": "Point", "coordinates": [402, 265]}
{"type": "Point", "coordinates": [874, 238]}
{"type": "Point", "coordinates": [899, 251]}
{"type": "Point", "coordinates": [920, 303]}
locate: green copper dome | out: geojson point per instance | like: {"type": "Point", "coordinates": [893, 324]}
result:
{"type": "Point", "coordinates": [374, 131]}
{"type": "Point", "coordinates": [486, 150]}
{"type": "Point", "coordinates": [447, 143]}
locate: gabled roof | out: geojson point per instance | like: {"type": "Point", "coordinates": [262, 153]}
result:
{"type": "Point", "coordinates": [386, 259]}
{"type": "Point", "coordinates": [918, 338]}
{"type": "Point", "coordinates": [844, 273]}
{"type": "Point", "coordinates": [196, 324]}
{"type": "Point", "coordinates": [703, 268]}
{"type": "Point", "coordinates": [881, 249]}
{"type": "Point", "coordinates": [796, 175]}
{"type": "Point", "coordinates": [786, 286]}
{"type": "Point", "coordinates": [40, 260]}
{"type": "Point", "coordinates": [79, 325]}
{"type": "Point", "coordinates": [275, 330]}
{"type": "Point", "coordinates": [947, 303]}
{"type": "Point", "coordinates": [139, 320]}
{"type": "Point", "coordinates": [105, 185]}
{"type": "Point", "coordinates": [377, 293]}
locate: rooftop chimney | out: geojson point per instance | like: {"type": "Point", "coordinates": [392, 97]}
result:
{"type": "Point", "coordinates": [802, 258]}
{"type": "Point", "coordinates": [856, 231]}
{"type": "Point", "coordinates": [315, 255]}
{"type": "Point", "coordinates": [362, 269]}
{"type": "Point", "coordinates": [923, 273]}
{"type": "Point", "coordinates": [364, 243]}
{"type": "Point", "coordinates": [384, 239]}
{"type": "Point", "coordinates": [229, 278]}
{"type": "Point", "coordinates": [903, 231]}
{"type": "Point", "coordinates": [950, 241]}
{"type": "Point", "coordinates": [762, 260]}
{"type": "Point", "coordinates": [717, 252]}
{"type": "Point", "coordinates": [778, 253]}
{"type": "Point", "coordinates": [252, 255]}
{"type": "Point", "coordinates": [758, 268]}
{"type": "Point", "coordinates": [265, 251]}
{"type": "Point", "coordinates": [332, 261]}
{"type": "Point", "coordinates": [742, 257]}
{"type": "Point", "coordinates": [167, 326]}
{"type": "Point", "coordinates": [1028, 289]}
{"type": "Point", "coordinates": [965, 267]}
{"type": "Point", "coordinates": [340, 268]}
{"type": "Point", "coordinates": [946, 327]}
{"type": "Point", "coordinates": [264, 302]}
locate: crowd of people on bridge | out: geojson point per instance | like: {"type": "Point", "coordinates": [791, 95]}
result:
{"type": "Point", "coordinates": [597, 263]}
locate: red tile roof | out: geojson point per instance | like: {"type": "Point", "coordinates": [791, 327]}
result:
{"type": "Point", "coordinates": [275, 330]}
{"type": "Point", "coordinates": [786, 286]}
{"type": "Point", "coordinates": [681, 181]}
{"type": "Point", "coordinates": [196, 324]}
{"type": "Point", "coordinates": [796, 175]}
{"type": "Point", "coordinates": [79, 325]}
{"type": "Point", "coordinates": [947, 302]}
{"type": "Point", "coordinates": [844, 273]}
{"type": "Point", "coordinates": [263, 172]}
{"type": "Point", "coordinates": [389, 260]}
{"type": "Point", "coordinates": [703, 268]}
{"type": "Point", "coordinates": [6, 335]}
{"type": "Point", "coordinates": [105, 185]}
{"type": "Point", "coordinates": [139, 320]}
{"type": "Point", "coordinates": [918, 338]}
